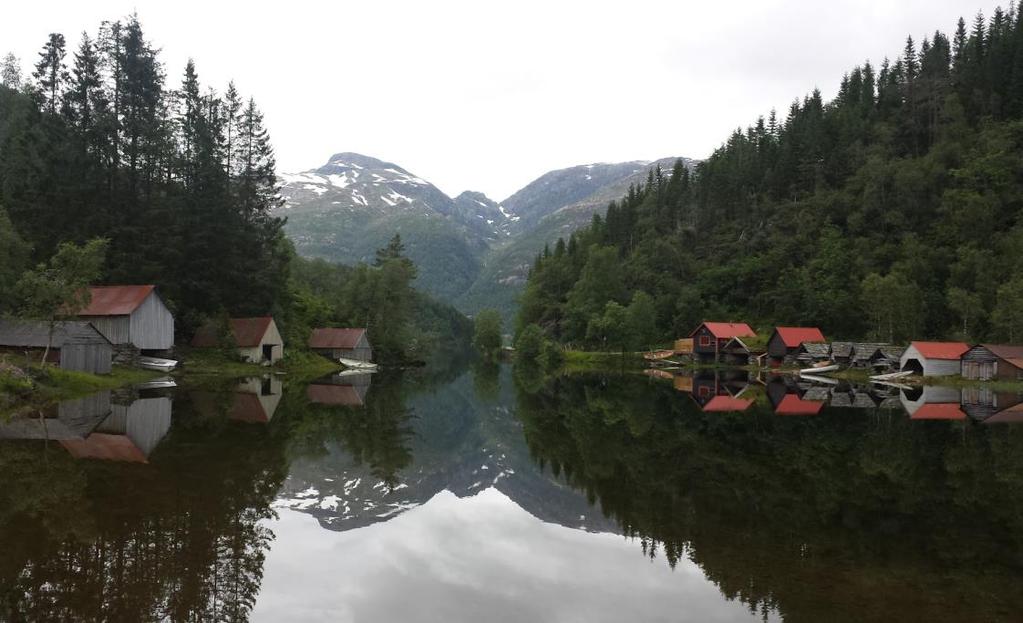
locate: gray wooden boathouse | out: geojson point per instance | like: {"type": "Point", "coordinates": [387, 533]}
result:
{"type": "Point", "coordinates": [74, 346]}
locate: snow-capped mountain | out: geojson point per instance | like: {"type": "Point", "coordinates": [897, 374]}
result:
{"type": "Point", "coordinates": [471, 250]}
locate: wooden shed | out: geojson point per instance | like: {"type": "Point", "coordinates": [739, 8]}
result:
{"type": "Point", "coordinates": [710, 337]}
{"type": "Point", "coordinates": [74, 346]}
{"type": "Point", "coordinates": [257, 339]}
{"type": "Point", "coordinates": [784, 342]}
{"type": "Point", "coordinates": [133, 315]}
{"type": "Point", "coordinates": [862, 353]}
{"type": "Point", "coordinates": [341, 343]}
{"type": "Point", "coordinates": [933, 358]}
{"type": "Point", "coordinates": [985, 362]}
{"type": "Point", "coordinates": [813, 352]}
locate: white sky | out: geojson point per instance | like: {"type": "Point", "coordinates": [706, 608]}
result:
{"type": "Point", "coordinates": [486, 96]}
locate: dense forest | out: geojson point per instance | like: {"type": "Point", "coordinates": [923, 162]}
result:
{"type": "Point", "coordinates": [180, 180]}
{"type": "Point", "coordinates": [893, 211]}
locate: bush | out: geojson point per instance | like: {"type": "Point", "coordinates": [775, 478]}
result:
{"type": "Point", "coordinates": [529, 343]}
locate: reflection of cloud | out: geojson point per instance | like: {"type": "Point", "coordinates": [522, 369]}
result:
{"type": "Point", "coordinates": [480, 558]}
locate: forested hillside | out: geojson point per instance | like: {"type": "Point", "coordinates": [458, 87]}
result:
{"type": "Point", "coordinates": [100, 143]}
{"type": "Point", "coordinates": [894, 210]}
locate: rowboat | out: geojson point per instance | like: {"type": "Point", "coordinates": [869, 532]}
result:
{"type": "Point", "coordinates": [823, 380]}
{"type": "Point", "coordinates": [830, 368]}
{"type": "Point", "coordinates": [658, 355]}
{"type": "Point", "coordinates": [155, 363]}
{"type": "Point", "coordinates": [891, 376]}
{"type": "Point", "coordinates": [356, 364]}
{"type": "Point", "coordinates": [355, 371]}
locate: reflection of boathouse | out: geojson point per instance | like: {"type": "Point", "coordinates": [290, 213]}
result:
{"type": "Point", "coordinates": [788, 398]}
{"type": "Point", "coordinates": [720, 390]}
{"type": "Point", "coordinates": [340, 390]}
{"type": "Point", "coordinates": [130, 433]}
{"type": "Point", "coordinates": [256, 399]}
{"type": "Point", "coordinates": [932, 402]}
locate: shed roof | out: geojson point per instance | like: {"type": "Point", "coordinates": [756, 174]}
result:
{"type": "Point", "coordinates": [335, 395]}
{"type": "Point", "coordinates": [727, 403]}
{"type": "Point", "coordinates": [792, 337]}
{"type": "Point", "coordinates": [841, 349]}
{"type": "Point", "coordinates": [816, 349]}
{"type": "Point", "coordinates": [335, 338]}
{"type": "Point", "coordinates": [865, 350]}
{"type": "Point", "coordinates": [940, 350]}
{"type": "Point", "coordinates": [247, 332]}
{"type": "Point", "coordinates": [115, 300]}
{"type": "Point", "coordinates": [35, 334]}
{"type": "Point", "coordinates": [105, 447]}
{"type": "Point", "coordinates": [939, 411]}
{"type": "Point", "coordinates": [724, 330]}
{"type": "Point", "coordinates": [1011, 354]}
{"type": "Point", "coordinates": [792, 404]}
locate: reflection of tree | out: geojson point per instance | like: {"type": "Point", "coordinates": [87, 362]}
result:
{"type": "Point", "coordinates": [177, 539]}
{"type": "Point", "coordinates": [376, 434]}
{"type": "Point", "coordinates": [486, 380]}
{"type": "Point", "coordinates": [847, 511]}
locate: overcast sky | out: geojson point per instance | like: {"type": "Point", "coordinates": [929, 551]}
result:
{"type": "Point", "coordinates": [486, 96]}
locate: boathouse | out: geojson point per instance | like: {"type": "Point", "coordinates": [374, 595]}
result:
{"type": "Point", "coordinates": [886, 358]}
{"type": "Point", "coordinates": [257, 339]}
{"type": "Point", "coordinates": [710, 337]}
{"type": "Point", "coordinates": [810, 353]}
{"type": "Point", "coordinates": [933, 358]}
{"type": "Point", "coordinates": [74, 346]}
{"type": "Point", "coordinates": [785, 341]}
{"type": "Point", "coordinates": [342, 343]}
{"type": "Point", "coordinates": [984, 362]}
{"type": "Point", "coordinates": [134, 315]}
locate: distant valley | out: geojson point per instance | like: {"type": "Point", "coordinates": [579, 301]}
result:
{"type": "Point", "coordinates": [471, 251]}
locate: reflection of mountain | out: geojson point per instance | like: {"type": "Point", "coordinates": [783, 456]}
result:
{"type": "Point", "coordinates": [458, 442]}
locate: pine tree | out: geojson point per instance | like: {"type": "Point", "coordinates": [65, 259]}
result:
{"type": "Point", "coordinates": [10, 71]}
{"type": "Point", "coordinates": [51, 74]}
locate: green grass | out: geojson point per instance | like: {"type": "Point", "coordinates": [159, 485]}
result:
{"type": "Point", "coordinates": [206, 362]}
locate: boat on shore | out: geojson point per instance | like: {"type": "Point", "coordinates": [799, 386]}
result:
{"type": "Point", "coordinates": [819, 370]}
{"type": "Point", "coordinates": [158, 364]}
{"type": "Point", "coordinates": [355, 364]}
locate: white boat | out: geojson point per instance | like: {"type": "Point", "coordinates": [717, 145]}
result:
{"type": "Point", "coordinates": [163, 383]}
{"type": "Point", "coordinates": [355, 371]}
{"type": "Point", "coordinates": [891, 376]}
{"type": "Point", "coordinates": [155, 363]}
{"type": "Point", "coordinates": [823, 380]}
{"type": "Point", "coordinates": [830, 368]}
{"type": "Point", "coordinates": [356, 364]}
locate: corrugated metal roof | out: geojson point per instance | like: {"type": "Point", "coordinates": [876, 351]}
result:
{"type": "Point", "coordinates": [335, 338]}
{"type": "Point", "coordinates": [724, 330]}
{"type": "Point", "coordinates": [115, 300]}
{"type": "Point", "coordinates": [1011, 354]}
{"type": "Point", "coordinates": [247, 332]}
{"type": "Point", "coordinates": [719, 404]}
{"type": "Point", "coordinates": [792, 337]}
{"type": "Point", "coordinates": [792, 404]}
{"type": "Point", "coordinates": [106, 448]}
{"type": "Point", "coordinates": [35, 333]}
{"type": "Point", "coordinates": [940, 350]}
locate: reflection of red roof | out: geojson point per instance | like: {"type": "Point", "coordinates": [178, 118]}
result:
{"type": "Point", "coordinates": [339, 395]}
{"type": "Point", "coordinates": [115, 300]}
{"type": "Point", "coordinates": [939, 411]}
{"type": "Point", "coordinates": [105, 448]}
{"type": "Point", "coordinates": [726, 403]}
{"type": "Point", "coordinates": [335, 338]}
{"type": "Point", "coordinates": [792, 404]}
{"type": "Point", "coordinates": [792, 337]}
{"type": "Point", "coordinates": [246, 408]}
{"type": "Point", "coordinates": [1012, 415]}
{"type": "Point", "coordinates": [940, 350]}
{"type": "Point", "coordinates": [723, 330]}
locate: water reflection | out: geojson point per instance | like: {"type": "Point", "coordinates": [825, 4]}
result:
{"type": "Point", "coordinates": [853, 514]}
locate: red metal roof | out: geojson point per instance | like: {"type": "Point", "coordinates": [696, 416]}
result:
{"type": "Point", "coordinates": [939, 411]}
{"type": "Point", "coordinates": [1012, 415]}
{"type": "Point", "coordinates": [247, 332]}
{"type": "Point", "coordinates": [335, 338]}
{"type": "Point", "coordinates": [940, 350]}
{"type": "Point", "coordinates": [115, 300]}
{"type": "Point", "coordinates": [724, 330]}
{"type": "Point", "coordinates": [1010, 354]}
{"type": "Point", "coordinates": [339, 395]}
{"type": "Point", "coordinates": [792, 404]}
{"type": "Point", "coordinates": [726, 403]}
{"type": "Point", "coordinates": [792, 337]}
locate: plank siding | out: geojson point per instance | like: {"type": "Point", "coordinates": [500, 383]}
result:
{"type": "Point", "coordinates": [152, 325]}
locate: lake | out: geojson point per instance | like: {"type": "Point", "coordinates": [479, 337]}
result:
{"type": "Point", "coordinates": [479, 493]}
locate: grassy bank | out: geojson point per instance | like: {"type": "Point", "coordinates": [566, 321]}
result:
{"type": "Point", "coordinates": [583, 361]}
{"type": "Point", "coordinates": [211, 362]}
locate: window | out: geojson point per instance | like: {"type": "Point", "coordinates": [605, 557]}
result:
{"type": "Point", "coordinates": [705, 340]}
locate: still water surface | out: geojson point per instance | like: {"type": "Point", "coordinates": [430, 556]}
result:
{"type": "Point", "coordinates": [492, 494]}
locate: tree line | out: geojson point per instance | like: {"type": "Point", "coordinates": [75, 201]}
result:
{"type": "Point", "coordinates": [179, 180]}
{"type": "Point", "coordinates": [892, 211]}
